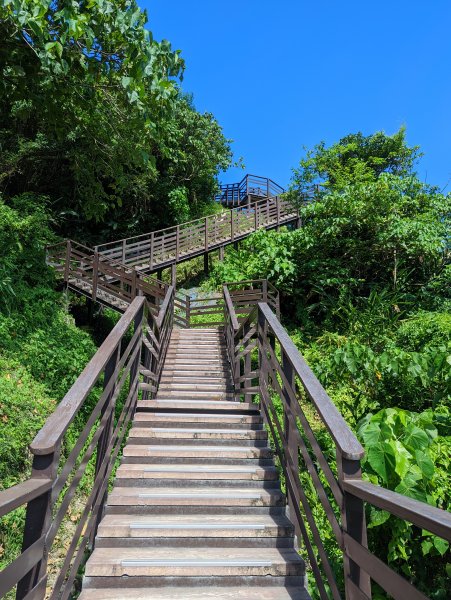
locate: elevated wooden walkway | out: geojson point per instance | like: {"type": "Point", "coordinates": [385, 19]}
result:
{"type": "Point", "coordinates": [160, 249]}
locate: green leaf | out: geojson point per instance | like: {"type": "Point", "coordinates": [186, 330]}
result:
{"type": "Point", "coordinates": [382, 459]}
{"type": "Point", "coordinates": [416, 438]}
{"type": "Point", "coordinates": [440, 545]}
{"type": "Point", "coordinates": [425, 463]}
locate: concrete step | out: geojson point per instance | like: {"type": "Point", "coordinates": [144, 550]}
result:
{"type": "Point", "coordinates": [195, 433]}
{"type": "Point", "coordinates": [205, 452]}
{"type": "Point", "coordinates": [185, 474]}
{"type": "Point", "coordinates": [225, 420]}
{"type": "Point", "coordinates": [194, 386]}
{"type": "Point", "coordinates": [144, 500]}
{"type": "Point", "coordinates": [202, 528]}
{"type": "Point", "coordinates": [117, 565]}
{"type": "Point", "coordinates": [195, 395]}
{"type": "Point", "coordinates": [242, 592]}
{"type": "Point", "coordinates": [196, 404]}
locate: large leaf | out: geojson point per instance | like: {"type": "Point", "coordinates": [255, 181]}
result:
{"type": "Point", "coordinates": [383, 460]}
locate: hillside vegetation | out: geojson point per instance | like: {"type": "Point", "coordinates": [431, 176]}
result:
{"type": "Point", "coordinates": [366, 295]}
{"type": "Point", "coordinates": [98, 141]}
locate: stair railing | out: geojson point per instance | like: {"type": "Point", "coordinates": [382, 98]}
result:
{"type": "Point", "coordinates": [161, 248]}
{"type": "Point", "coordinates": [102, 278]}
{"type": "Point", "coordinates": [267, 367]}
{"type": "Point", "coordinates": [74, 455]}
{"type": "Point", "coordinates": [157, 334]}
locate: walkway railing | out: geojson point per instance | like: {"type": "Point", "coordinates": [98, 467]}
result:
{"type": "Point", "coordinates": [74, 455]}
{"type": "Point", "coordinates": [246, 190]}
{"type": "Point", "coordinates": [103, 279]}
{"type": "Point", "coordinates": [158, 249]}
{"type": "Point", "coordinates": [267, 365]}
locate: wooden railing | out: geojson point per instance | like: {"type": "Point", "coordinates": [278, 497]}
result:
{"type": "Point", "coordinates": [74, 455]}
{"type": "Point", "coordinates": [234, 194]}
{"type": "Point", "coordinates": [158, 249]}
{"type": "Point", "coordinates": [103, 279]}
{"type": "Point", "coordinates": [267, 366]}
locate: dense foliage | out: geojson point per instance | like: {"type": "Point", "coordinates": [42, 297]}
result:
{"type": "Point", "coordinates": [366, 294]}
{"type": "Point", "coordinates": [91, 115]}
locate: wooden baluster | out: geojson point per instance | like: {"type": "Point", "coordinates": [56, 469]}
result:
{"type": "Point", "coordinates": [232, 233]}
{"type": "Point", "coordinates": [134, 285]}
{"type": "Point", "coordinates": [123, 251]}
{"type": "Point", "coordinates": [152, 242]}
{"type": "Point", "coordinates": [188, 311]}
{"type": "Point", "coordinates": [255, 216]}
{"type": "Point", "coordinates": [206, 233]}
{"type": "Point", "coordinates": [37, 523]}
{"type": "Point", "coordinates": [278, 212]}
{"type": "Point", "coordinates": [353, 522]}
{"type": "Point", "coordinates": [105, 437]}
{"type": "Point", "coordinates": [95, 275]}
{"type": "Point", "coordinates": [67, 265]}
{"type": "Point", "coordinates": [177, 242]}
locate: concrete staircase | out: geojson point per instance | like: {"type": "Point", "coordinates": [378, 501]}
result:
{"type": "Point", "coordinates": [196, 510]}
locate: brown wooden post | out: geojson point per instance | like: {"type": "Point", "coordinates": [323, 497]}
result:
{"type": "Point", "coordinates": [37, 523]}
{"type": "Point", "coordinates": [188, 312]}
{"type": "Point", "coordinates": [67, 265]}
{"type": "Point", "coordinates": [177, 242]}
{"type": "Point", "coordinates": [278, 211]}
{"type": "Point", "coordinates": [289, 429]}
{"type": "Point", "coordinates": [267, 211]}
{"type": "Point", "coordinates": [265, 290]}
{"type": "Point", "coordinates": [267, 188]}
{"type": "Point", "coordinates": [105, 437]}
{"type": "Point", "coordinates": [95, 275]}
{"type": "Point", "coordinates": [353, 522]}
{"type": "Point", "coordinates": [134, 284]}
{"type": "Point", "coordinates": [232, 233]}
{"type": "Point", "coordinates": [206, 263]}
{"type": "Point", "coordinates": [152, 241]}
{"type": "Point", "coordinates": [123, 251]}
{"type": "Point", "coordinates": [206, 233]}
{"type": "Point", "coordinates": [255, 216]}
{"type": "Point", "coordinates": [174, 274]}
{"type": "Point", "coordinates": [221, 253]}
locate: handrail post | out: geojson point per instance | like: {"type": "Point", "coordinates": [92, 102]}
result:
{"type": "Point", "coordinates": [353, 522]}
{"type": "Point", "coordinates": [289, 426]}
{"type": "Point", "coordinates": [67, 265]}
{"type": "Point", "coordinates": [123, 251]}
{"type": "Point", "coordinates": [265, 290]}
{"type": "Point", "coordinates": [37, 523]}
{"type": "Point", "coordinates": [95, 276]}
{"type": "Point", "coordinates": [231, 226]}
{"type": "Point", "coordinates": [278, 211]}
{"type": "Point", "coordinates": [152, 240]}
{"type": "Point", "coordinates": [177, 242]}
{"type": "Point", "coordinates": [206, 233]}
{"type": "Point", "coordinates": [188, 311]}
{"type": "Point", "coordinates": [105, 437]}
{"type": "Point", "coordinates": [134, 290]}
{"type": "Point", "coordinates": [255, 216]}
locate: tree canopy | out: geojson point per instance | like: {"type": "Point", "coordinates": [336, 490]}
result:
{"type": "Point", "coordinates": [91, 115]}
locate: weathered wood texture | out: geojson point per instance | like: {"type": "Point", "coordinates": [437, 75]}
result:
{"type": "Point", "coordinates": [267, 365]}
{"type": "Point", "coordinates": [157, 249]}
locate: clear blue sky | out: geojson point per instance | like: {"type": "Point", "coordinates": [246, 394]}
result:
{"type": "Point", "coordinates": [282, 75]}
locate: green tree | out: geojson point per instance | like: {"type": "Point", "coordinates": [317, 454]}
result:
{"type": "Point", "coordinates": [355, 158]}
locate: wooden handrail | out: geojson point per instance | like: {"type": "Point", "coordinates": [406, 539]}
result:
{"type": "Point", "coordinates": [423, 515]}
{"type": "Point", "coordinates": [59, 421]}
{"type": "Point", "coordinates": [230, 309]}
{"type": "Point", "coordinates": [340, 431]}
{"type": "Point", "coordinates": [22, 493]}
{"type": "Point", "coordinates": [280, 368]}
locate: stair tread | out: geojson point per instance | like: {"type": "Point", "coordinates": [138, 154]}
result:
{"type": "Point", "coordinates": [192, 561]}
{"type": "Point", "coordinates": [196, 593]}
